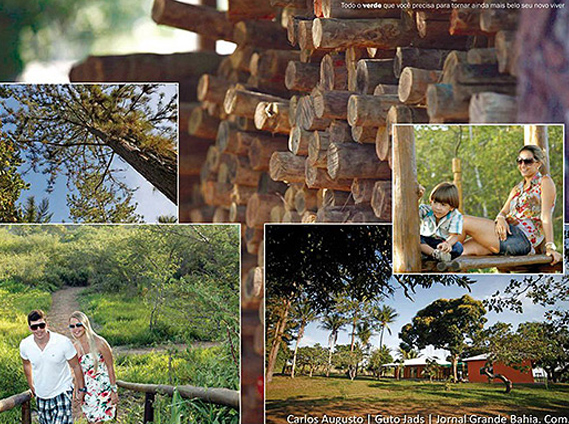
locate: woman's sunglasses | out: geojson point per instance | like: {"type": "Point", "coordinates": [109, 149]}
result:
{"type": "Point", "coordinates": [78, 325]}
{"type": "Point", "coordinates": [519, 161]}
{"type": "Point", "coordinates": [34, 327]}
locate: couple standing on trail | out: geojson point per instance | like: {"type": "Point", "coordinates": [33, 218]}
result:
{"type": "Point", "coordinates": [48, 357]}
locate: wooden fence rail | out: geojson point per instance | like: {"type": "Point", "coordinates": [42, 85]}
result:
{"type": "Point", "coordinates": [224, 397]}
{"type": "Point", "coordinates": [16, 400]}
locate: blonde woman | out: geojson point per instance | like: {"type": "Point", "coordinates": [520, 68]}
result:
{"type": "Point", "coordinates": [96, 361]}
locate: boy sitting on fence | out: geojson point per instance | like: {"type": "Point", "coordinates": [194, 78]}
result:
{"type": "Point", "coordinates": [441, 223]}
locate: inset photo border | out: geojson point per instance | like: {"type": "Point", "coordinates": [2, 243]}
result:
{"type": "Point", "coordinates": [468, 198]}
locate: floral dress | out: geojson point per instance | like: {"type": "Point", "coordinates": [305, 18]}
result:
{"type": "Point", "coordinates": [97, 405]}
{"type": "Point", "coordinates": [525, 210]}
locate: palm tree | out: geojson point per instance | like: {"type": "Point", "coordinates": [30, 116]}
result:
{"type": "Point", "coordinates": [303, 313]}
{"type": "Point", "coordinates": [364, 330]}
{"type": "Point", "coordinates": [332, 322]}
{"type": "Point", "coordinates": [385, 315]}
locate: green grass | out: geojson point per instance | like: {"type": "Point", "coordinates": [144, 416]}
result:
{"type": "Point", "coordinates": [124, 320]}
{"type": "Point", "coordinates": [363, 396]}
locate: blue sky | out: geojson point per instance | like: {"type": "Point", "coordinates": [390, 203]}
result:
{"type": "Point", "coordinates": [151, 203]}
{"type": "Point", "coordinates": [484, 287]}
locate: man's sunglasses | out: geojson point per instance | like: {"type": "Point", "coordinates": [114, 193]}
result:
{"type": "Point", "coordinates": [78, 325]}
{"type": "Point", "coordinates": [525, 161]}
{"type": "Point", "coordinates": [34, 327]}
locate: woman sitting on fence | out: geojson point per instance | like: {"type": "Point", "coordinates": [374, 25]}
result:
{"type": "Point", "coordinates": [524, 226]}
{"type": "Point", "coordinates": [96, 361]}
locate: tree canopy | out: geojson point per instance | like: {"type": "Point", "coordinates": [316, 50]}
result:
{"type": "Point", "coordinates": [78, 130]}
{"type": "Point", "coordinates": [445, 324]}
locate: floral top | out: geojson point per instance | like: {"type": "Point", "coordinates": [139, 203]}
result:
{"type": "Point", "coordinates": [97, 405]}
{"type": "Point", "coordinates": [525, 210]}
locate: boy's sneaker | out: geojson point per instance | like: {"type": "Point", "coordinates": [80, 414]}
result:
{"type": "Point", "coordinates": [441, 256]}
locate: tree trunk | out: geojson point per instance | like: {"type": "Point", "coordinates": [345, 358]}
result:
{"type": "Point", "coordinates": [487, 371]}
{"type": "Point", "coordinates": [159, 171]}
{"type": "Point", "coordinates": [279, 331]}
{"type": "Point", "coordinates": [298, 339]}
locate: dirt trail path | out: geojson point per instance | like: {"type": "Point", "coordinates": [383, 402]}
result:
{"type": "Point", "coordinates": [63, 303]}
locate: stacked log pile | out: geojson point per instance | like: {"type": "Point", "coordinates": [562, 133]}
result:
{"type": "Point", "coordinates": [296, 124]}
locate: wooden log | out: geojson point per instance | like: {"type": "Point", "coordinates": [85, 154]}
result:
{"type": "Point", "coordinates": [304, 35]}
{"type": "Point", "coordinates": [212, 158]}
{"type": "Point", "coordinates": [217, 194]}
{"type": "Point", "coordinates": [237, 213]}
{"type": "Point", "coordinates": [381, 200]}
{"type": "Point", "coordinates": [268, 186]}
{"type": "Point", "coordinates": [271, 64]}
{"type": "Point", "coordinates": [413, 84]}
{"type": "Point", "coordinates": [469, 79]}
{"type": "Point", "coordinates": [292, 28]}
{"type": "Point", "coordinates": [237, 170]}
{"type": "Point", "coordinates": [404, 114]}
{"type": "Point", "coordinates": [212, 89]}
{"type": "Point", "coordinates": [298, 4]}
{"type": "Point", "coordinates": [482, 56]}
{"type": "Point", "coordinates": [253, 238]}
{"type": "Point", "coordinates": [333, 72]}
{"type": "Point", "coordinates": [353, 55]}
{"type": "Point", "coordinates": [292, 216]}
{"type": "Point", "coordinates": [363, 9]}
{"type": "Point", "coordinates": [277, 213]}
{"type": "Point", "coordinates": [306, 118]}
{"type": "Point", "coordinates": [206, 21]}
{"type": "Point", "coordinates": [369, 110]}
{"type": "Point", "coordinates": [442, 106]}
{"type": "Point", "coordinates": [363, 134]}
{"type": "Point", "coordinates": [241, 10]}
{"type": "Point", "coordinates": [298, 141]}
{"type": "Point", "coordinates": [371, 72]}
{"type": "Point", "coordinates": [406, 252]}
{"type": "Point", "coordinates": [272, 117]}
{"type": "Point", "coordinates": [143, 67]}
{"type": "Point", "coordinates": [419, 58]}
{"type": "Point", "coordinates": [253, 285]}
{"type": "Point", "coordinates": [240, 195]}
{"type": "Point", "coordinates": [226, 140]}
{"type": "Point", "coordinates": [465, 21]}
{"type": "Point", "coordinates": [381, 89]}
{"type": "Point", "coordinates": [332, 33]}
{"type": "Point", "coordinates": [499, 261]}
{"type": "Point", "coordinates": [494, 19]}
{"type": "Point", "coordinates": [339, 132]}
{"type": "Point", "coordinates": [327, 197]}
{"type": "Point", "coordinates": [285, 166]}
{"type": "Point", "coordinates": [331, 104]}
{"type": "Point", "coordinates": [306, 200]}
{"type": "Point", "coordinates": [308, 217]}
{"type": "Point", "coordinates": [274, 86]}
{"type": "Point", "coordinates": [264, 34]}
{"type": "Point", "coordinates": [349, 160]}
{"type": "Point", "coordinates": [261, 150]}
{"type": "Point", "coordinates": [289, 196]}
{"type": "Point", "coordinates": [220, 215]}
{"type": "Point", "coordinates": [344, 213]}
{"type": "Point", "coordinates": [193, 153]}
{"type": "Point", "coordinates": [506, 52]}
{"type": "Point", "coordinates": [259, 209]}
{"type": "Point", "coordinates": [318, 150]}
{"type": "Point", "coordinates": [319, 178]}
{"type": "Point", "coordinates": [383, 143]}
{"type": "Point", "coordinates": [302, 76]}
{"type": "Point", "coordinates": [243, 102]}
{"type": "Point", "coordinates": [486, 108]}
{"type": "Point", "coordinates": [202, 125]}
{"type": "Point", "coordinates": [366, 216]}
{"type": "Point", "coordinates": [241, 58]}
{"type": "Point", "coordinates": [362, 190]}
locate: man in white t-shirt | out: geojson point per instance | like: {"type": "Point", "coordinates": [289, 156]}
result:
{"type": "Point", "coordinates": [47, 358]}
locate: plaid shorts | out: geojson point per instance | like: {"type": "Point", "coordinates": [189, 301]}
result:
{"type": "Point", "coordinates": [57, 410]}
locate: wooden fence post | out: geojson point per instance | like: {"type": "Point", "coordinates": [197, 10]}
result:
{"type": "Point", "coordinates": [149, 408]}
{"type": "Point", "coordinates": [406, 252]}
{"type": "Point", "coordinates": [26, 413]}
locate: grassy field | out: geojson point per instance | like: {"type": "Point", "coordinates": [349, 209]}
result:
{"type": "Point", "coordinates": [340, 397]}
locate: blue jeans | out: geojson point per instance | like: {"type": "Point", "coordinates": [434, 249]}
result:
{"type": "Point", "coordinates": [516, 244]}
{"type": "Point", "coordinates": [433, 242]}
